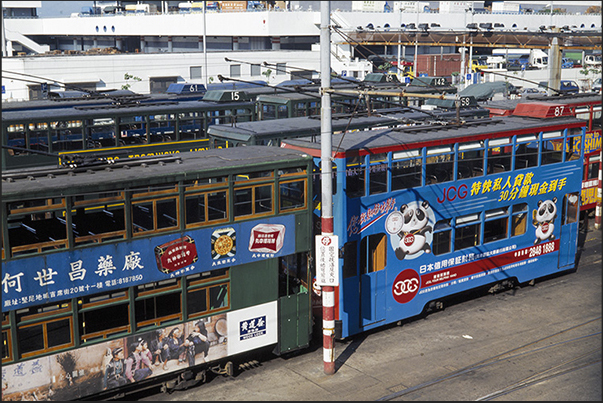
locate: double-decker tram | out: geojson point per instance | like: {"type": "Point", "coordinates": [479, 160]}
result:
{"type": "Point", "coordinates": [585, 106]}
{"type": "Point", "coordinates": [155, 270]}
{"type": "Point", "coordinates": [36, 137]}
{"type": "Point", "coordinates": [273, 132]}
{"type": "Point", "coordinates": [426, 212]}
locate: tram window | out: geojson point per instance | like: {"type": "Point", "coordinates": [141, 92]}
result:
{"type": "Point", "coordinates": [470, 159]}
{"type": "Point", "coordinates": [158, 303]}
{"type": "Point", "coordinates": [552, 145]}
{"type": "Point", "coordinates": [299, 109]}
{"type": "Point", "coordinates": [67, 136]}
{"type": "Point", "coordinates": [43, 332]}
{"type": "Point", "coordinates": [378, 174]}
{"type": "Point", "coordinates": [526, 152]}
{"type": "Point", "coordinates": [573, 144]}
{"type": "Point", "coordinates": [263, 199]}
{"type": "Point", "coordinates": [467, 232]}
{"type": "Point", "coordinates": [293, 274]}
{"type": "Point", "coordinates": [207, 292]}
{"type": "Point", "coordinates": [282, 111]}
{"type": "Point", "coordinates": [268, 112]}
{"type": "Point", "coordinates": [349, 259]}
{"type": "Point", "coordinates": [37, 231]}
{"type": "Point", "coordinates": [441, 237]}
{"type": "Point", "coordinates": [355, 177]}
{"type": "Point", "coordinates": [38, 136]}
{"type": "Point", "coordinates": [132, 130]}
{"type": "Point", "coordinates": [191, 126]}
{"type": "Point", "coordinates": [98, 223]}
{"type": "Point", "coordinates": [162, 128]}
{"type": "Point", "coordinates": [496, 224]}
{"type": "Point", "coordinates": [103, 315]}
{"type": "Point", "coordinates": [205, 207]}
{"type": "Point", "coordinates": [583, 113]}
{"type": "Point", "coordinates": [31, 339]}
{"type": "Point", "coordinates": [571, 207]}
{"type": "Point", "coordinates": [499, 156]}
{"type": "Point", "coordinates": [160, 214]}
{"type": "Point", "coordinates": [253, 200]}
{"type": "Point", "coordinates": [244, 115]}
{"type": "Point", "coordinates": [593, 167]}
{"type": "Point", "coordinates": [101, 132]}
{"type": "Point", "coordinates": [16, 138]}
{"type": "Point", "coordinates": [6, 347]}
{"type": "Point", "coordinates": [438, 165]}
{"type": "Point", "coordinates": [519, 219]}
{"type": "Point", "coordinates": [373, 253]}
{"type": "Point", "coordinates": [313, 108]}
{"type": "Point", "coordinates": [406, 169]}
{"type": "Point", "coordinates": [292, 195]}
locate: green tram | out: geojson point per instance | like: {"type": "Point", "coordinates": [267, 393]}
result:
{"type": "Point", "coordinates": [82, 133]}
{"type": "Point", "coordinates": [186, 264]}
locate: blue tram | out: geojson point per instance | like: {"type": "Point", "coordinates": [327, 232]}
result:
{"type": "Point", "coordinates": [426, 212]}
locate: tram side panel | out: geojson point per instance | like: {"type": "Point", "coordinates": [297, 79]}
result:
{"type": "Point", "coordinates": [401, 250]}
{"type": "Point", "coordinates": [252, 250]}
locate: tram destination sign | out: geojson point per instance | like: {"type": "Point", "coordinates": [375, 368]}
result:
{"type": "Point", "coordinates": [327, 258]}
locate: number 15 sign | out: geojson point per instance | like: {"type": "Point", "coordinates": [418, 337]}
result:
{"type": "Point", "coordinates": [327, 259]}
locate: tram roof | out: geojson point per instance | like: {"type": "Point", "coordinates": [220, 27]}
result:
{"type": "Point", "coordinates": [142, 171]}
{"type": "Point", "coordinates": [565, 99]}
{"type": "Point", "coordinates": [310, 125]}
{"type": "Point", "coordinates": [409, 137]}
{"type": "Point", "coordinates": [90, 112]}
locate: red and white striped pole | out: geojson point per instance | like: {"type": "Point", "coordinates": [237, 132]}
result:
{"type": "Point", "coordinates": [328, 329]}
{"type": "Point", "coordinates": [599, 206]}
{"type": "Point", "coordinates": [328, 291]}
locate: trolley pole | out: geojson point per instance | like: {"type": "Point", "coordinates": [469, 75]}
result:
{"type": "Point", "coordinates": [326, 220]}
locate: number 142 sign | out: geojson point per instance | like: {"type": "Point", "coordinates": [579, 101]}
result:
{"type": "Point", "coordinates": [327, 259]}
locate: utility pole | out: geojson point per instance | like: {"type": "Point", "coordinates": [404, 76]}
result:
{"type": "Point", "coordinates": [327, 258]}
{"type": "Point", "coordinates": [205, 42]}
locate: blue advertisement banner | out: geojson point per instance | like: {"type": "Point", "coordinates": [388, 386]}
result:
{"type": "Point", "coordinates": [59, 276]}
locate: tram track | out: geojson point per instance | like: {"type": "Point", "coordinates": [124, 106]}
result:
{"type": "Point", "coordinates": [567, 366]}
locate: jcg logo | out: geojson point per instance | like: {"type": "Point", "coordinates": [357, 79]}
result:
{"type": "Point", "coordinates": [406, 285]}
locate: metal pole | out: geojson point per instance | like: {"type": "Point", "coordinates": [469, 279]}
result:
{"type": "Point", "coordinates": [554, 66]}
{"type": "Point", "coordinates": [599, 193]}
{"type": "Point", "coordinates": [205, 41]}
{"type": "Point", "coordinates": [326, 219]}
{"type": "Point", "coordinates": [414, 73]}
{"type": "Point", "coordinates": [399, 73]}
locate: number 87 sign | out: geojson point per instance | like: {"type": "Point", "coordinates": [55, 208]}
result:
{"type": "Point", "coordinates": [327, 259]}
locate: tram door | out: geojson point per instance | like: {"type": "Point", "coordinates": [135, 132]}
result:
{"type": "Point", "coordinates": [569, 229]}
{"type": "Point", "coordinates": [294, 303]}
{"type": "Point", "coordinates": [373, 253]}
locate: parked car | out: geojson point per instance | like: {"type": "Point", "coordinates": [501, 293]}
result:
{"type": "Point", "coordinates": [567, 63]}
{"type": "Point", "coordinates": [529, 91]}
{"type": "Point", "coordinates": [565, 87]}
{"type": "Point", "coordinates": [596, 87]}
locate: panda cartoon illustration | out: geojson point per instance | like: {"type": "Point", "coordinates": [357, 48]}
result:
{"type": "Point", "coordinates": [543, 218]}
{"type": "Point", "coordinates": [413, 233]}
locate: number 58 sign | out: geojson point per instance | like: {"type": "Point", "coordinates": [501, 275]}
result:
{"type": "Point", "coordinates": [327, 260]}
